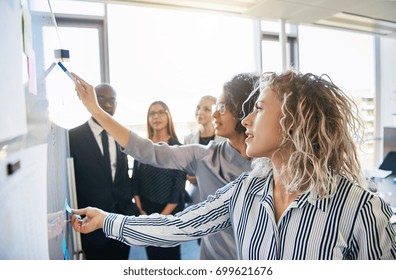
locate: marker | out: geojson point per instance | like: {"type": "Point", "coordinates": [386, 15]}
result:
{"type": "Point", "coordinates": [66, 71]}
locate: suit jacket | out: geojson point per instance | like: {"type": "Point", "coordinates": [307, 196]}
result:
{"type": "Point", "coordinates": [93, 182]}
{"type": "Point", "coordinates": [96, 188]}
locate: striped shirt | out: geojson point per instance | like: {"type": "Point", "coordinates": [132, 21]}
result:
{"type": "Point", "coordinates": [351, 224]}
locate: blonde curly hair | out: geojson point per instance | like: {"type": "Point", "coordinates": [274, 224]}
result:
{"type": "Point", "coordinates": [320, 126]}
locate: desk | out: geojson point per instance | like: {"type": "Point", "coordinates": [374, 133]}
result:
{"type": "Point", "coordinates": [386, 188]}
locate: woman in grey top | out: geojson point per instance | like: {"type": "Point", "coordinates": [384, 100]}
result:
{"type": "Point", "coordinates": [214, 165]}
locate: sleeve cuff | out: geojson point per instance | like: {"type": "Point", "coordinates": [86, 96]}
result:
{"type": "Point", "coordinates": [113, 226]}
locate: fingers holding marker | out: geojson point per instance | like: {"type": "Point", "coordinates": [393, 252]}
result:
{"type": "Point", "coordinates": [79, 86]}
{"type": "Point", "coordinates": [80, 81]}
{"type": "Point", "coordinates": [76, 220]}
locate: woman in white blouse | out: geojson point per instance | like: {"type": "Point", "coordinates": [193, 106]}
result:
{"type": "Point", "coordinates": [203, 135]}
{"type": "Point", "coordinates": [306, 197]}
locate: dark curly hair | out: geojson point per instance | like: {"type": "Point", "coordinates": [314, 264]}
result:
{"type": "Point", "coordinates": [236, 91]}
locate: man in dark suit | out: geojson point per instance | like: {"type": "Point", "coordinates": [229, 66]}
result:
{"type": "Point", "coordinates": [102, 178]}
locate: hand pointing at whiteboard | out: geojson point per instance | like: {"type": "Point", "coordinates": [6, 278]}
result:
{"type": "Point", "coordinates": [86, 93]}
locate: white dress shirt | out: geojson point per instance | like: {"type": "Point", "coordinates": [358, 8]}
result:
{"type": "Point", "coordinates": [97, 130]}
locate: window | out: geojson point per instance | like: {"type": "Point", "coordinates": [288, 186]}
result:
{"type": "Point", "coordinates": [173, 56]}
{"type": "Point", "coordinates": [348, 58]}
{"type": "Point", "coordinates": [83, 40]}
{"type": "Point", "coordinates": [153, 54]}
{"type": "Point", "coordinates": [78, 27]}
{"type": "Point", "coordinates": [271, 55]}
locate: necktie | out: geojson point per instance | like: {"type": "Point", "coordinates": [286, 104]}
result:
{"type": "Point", "coordinates": [106, 154]}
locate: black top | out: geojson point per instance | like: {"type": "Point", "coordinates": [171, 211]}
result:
{"type": "Point", "coordinates": [206, 140]}
{"type": "Point", "coordinates": [159, 185]}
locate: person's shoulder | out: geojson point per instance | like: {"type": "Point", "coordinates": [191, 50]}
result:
{"type": "Point", "coordinates": [248, 184]}
{"type": "Point", "coordinates": [346, 183]}
{"type": "Point", "coordinates": [223, 147]}
{"type": "Point", "coordinates": [243, 176]}
{"type": "Point", "coordinates": [359, 199]}
{"type": "Point", "coordinates": [217, 143]}
{"type": "Point", "coordinates": [80, 127]}
{"type": "Point", "coordinates": [353, 193]}
{"type": "Point", "coordinates": [251, 179]}
{"type": "Point", "coordinates": [219, 139]}
{"type": "Point", "coordinates": [212, 145]}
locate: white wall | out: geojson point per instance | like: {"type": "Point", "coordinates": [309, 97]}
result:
{"type": "Point", "coordinates": [388, 80]}
{"type": "Point", "coordinates": [387, 85]}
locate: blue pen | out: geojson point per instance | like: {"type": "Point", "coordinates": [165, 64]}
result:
{"type": "Point", "coordinates": [66, 71]}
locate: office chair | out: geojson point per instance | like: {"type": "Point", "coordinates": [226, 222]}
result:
{"type": "Point", "coordinates": [389, 162]}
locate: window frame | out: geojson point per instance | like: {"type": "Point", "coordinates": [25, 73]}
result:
{"type": "Point", "coordinates": [98, 22]}
{"type": "Point", "coordinates": [291, 40]}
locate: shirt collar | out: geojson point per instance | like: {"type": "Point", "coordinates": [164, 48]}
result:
{"type": "Point", "coordinates": [311, 197]}
{"type": "Point", "coordinates": [258, 186]}
{"type": "Point", "coordinates": [95, 127]}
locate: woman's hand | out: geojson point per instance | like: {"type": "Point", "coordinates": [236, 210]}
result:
{"type": "Point", "coordinates": [93, 220]}
{"type": "Point", "coordinates": [86, 93]}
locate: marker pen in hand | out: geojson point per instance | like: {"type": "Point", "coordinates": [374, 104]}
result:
{"type": "Point", "coordinates": [70, 211]}
{"type": "Point", "coordinates": [66, 71]}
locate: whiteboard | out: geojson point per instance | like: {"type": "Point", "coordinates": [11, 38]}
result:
{"type": "Point", "coordinates": [34, 195]}
{"type": "Point", "coordinates": [23, 210]}
{"type": "Point", "coordinates": [12, 98]}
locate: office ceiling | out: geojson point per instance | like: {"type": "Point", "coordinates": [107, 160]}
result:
{"type": "Point", "coordinates": [374, 16]}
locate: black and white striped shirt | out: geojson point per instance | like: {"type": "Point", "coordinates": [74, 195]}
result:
{"type": "Point", "coordinates": [351, 224]}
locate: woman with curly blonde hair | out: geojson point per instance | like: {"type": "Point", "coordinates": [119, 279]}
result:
{"type": "Point", "coordinates": [304, 199]}
{"type": "Point", "coordinates": [320, 128]}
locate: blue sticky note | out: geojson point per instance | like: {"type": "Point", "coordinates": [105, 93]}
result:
{"type": "Point", "coordinates": [69, 210]}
